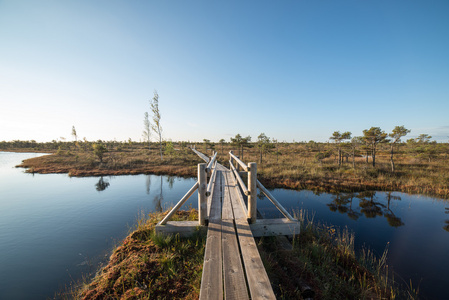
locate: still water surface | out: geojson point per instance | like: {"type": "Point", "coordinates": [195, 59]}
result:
{"type": "Point", "coordinates": [54, 228]}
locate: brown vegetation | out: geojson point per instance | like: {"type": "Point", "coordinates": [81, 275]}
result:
{"type": "Point", "coordinates": [419, 167]}
{"type": "Point", "coordinates": [132, 161]}
{"type": "Point", "coordinates": [147, 266]}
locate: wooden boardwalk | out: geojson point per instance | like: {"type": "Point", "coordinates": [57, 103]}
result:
{"type": "Point", "coordinates": [232, 266]}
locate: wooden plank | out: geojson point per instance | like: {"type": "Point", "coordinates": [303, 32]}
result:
{"type": "Point", "coordinates": [214, 211]}
{"type": "Point", "coordinates": [238, 195]}
{"type": "Point", "coordinates": [226, 213]}
{"type": "Point", "coordinates": [233, 273]}
{"type": "Point", "coordinates": [183, 228]}
{"type": "Point", "coordinates": [238, 209]}
{"type": "Point", "coordinates": [212, 277]}
{"type": "Point", "coordinates": [258, 281]}
{"type": "Point", "coordinates": [275, 227]}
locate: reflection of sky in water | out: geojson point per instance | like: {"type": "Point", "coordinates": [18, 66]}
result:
{"type": "Point", "coordinates": [418, 242]}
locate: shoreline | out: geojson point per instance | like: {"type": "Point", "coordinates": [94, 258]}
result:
{"type": "Point", "coordinates": [83, 164]}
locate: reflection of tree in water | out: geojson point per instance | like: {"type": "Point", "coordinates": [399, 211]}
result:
{"type": "Point", "coordinates": [343, 204]}
{"type": "Point", "coordinates": [370, 208]}
{"type": "Point", "coordinates": [447, 225]}
{"type": "Point", "coordinates": [391, 217]}
{"type": "Point", "coordinates": [339, 203]}
{"type": "Point", "coordinates": [354, 215]}
{"type": "Point", "coordinates": [158, 199]}
{"type": "Point", "coordinates": [148, 183]}
{"type": "Point", "coordinates": [171, 181]}
{"type": "Point", "coordinates": [101, 185]}
{"type": "Point", "coordinates": [447, 221]}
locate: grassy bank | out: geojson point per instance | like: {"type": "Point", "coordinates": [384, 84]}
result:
{"type": "Point", "coordinates": [147, 266]}
{"type": "Point", "coordinates": [115, 162]}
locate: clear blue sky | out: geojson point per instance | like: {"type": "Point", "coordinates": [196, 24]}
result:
{"type": "Point", "coordinates": [295, 70]}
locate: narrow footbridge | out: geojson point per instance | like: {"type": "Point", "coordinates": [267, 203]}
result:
{"type": "Point", "coordinates": [232, 266]}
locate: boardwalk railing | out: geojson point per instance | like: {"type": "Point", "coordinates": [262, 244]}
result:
{"type": "Point", "coordinates": [206, 177]}
{"type": "Point", "coordinates": [251, 169]}
{"type": "Point", "coordinates": [204, 191]}
{"type": "Point", "coordinates": [232, 267]}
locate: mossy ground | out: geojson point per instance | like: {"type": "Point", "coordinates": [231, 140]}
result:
{"type": "Point", "coordinates": [148, 266]}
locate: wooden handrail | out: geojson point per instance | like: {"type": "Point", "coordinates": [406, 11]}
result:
{"type": "Point", "coordinates": [201, 155]}
{"type": "Point", "coordinates": [211, 179]}
{"type": "Point", "coordinates": [179, 204]}
{"type": "Point", "coordinates": [241, 163]}
{"type": "Point", "coordinates": [209, 166]}
{"type": "Point", "coordinates": [275, 202]}
{"type": "Point", "coordinates": [239, 179]}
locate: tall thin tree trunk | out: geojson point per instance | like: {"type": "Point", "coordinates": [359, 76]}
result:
{"type": "Point", "coordinates": [391, 158]}
{"type": "Point", "coordinates": [374, 157]}
{"type": "Point", "coordinates": [160, 147]}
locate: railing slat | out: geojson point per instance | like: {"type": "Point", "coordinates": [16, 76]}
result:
{"type": "Point", "coordinates": [179, 204]}
{"type": "Point", "coordinates": [241, 163]}
{"type": "Point", "coordinates": [275, 202]}
{"type": "Point", "coordinates": [239, 179]}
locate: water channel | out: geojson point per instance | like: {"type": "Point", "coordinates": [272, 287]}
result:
{"type": "Point", "coordinates": [54, 229]}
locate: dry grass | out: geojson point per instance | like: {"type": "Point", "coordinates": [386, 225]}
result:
{"type": "Point", "coordinates": [136, 160]}
{"type": "Point", "coordinates": [295, 166]}
{"type": "Point", "coordinates": [290, 165]}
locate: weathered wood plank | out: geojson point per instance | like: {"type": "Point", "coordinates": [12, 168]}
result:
{"type": "Point", "coordinates": [275, 227]}
{"type": "Point", "coordinates": [183, 228]}
{"type": "Point", "coordinates": [233, 273]}
{"type": "Point", "coordinates": [226, 213]}
{"type": "Point", "coordinates": [236, 198]}
{"type": "Point", "coordinates": [212, 277]}
{"type": "Point", "coordinates": [258, 281]}
{"type": "Point", "coordinates": [214, 211]}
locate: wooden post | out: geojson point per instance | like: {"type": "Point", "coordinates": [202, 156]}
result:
{"type": "Point", "coordinates": [202, 198]}
{"type": "Point", "coordinates": [252, 195]}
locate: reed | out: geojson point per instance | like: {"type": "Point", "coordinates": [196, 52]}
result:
{"type": "Point", "coordinates": [324, 258]}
